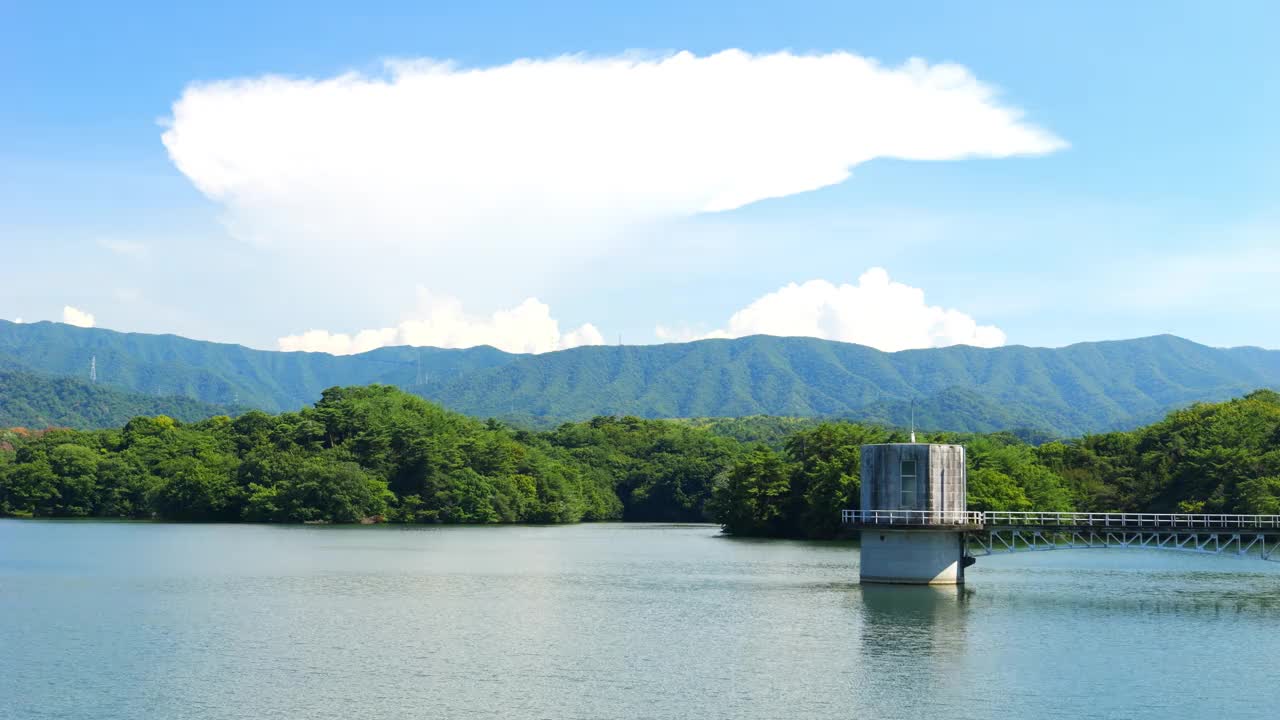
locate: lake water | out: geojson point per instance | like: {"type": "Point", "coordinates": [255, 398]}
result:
{"type": "Point", "coordinates": [120, 620]}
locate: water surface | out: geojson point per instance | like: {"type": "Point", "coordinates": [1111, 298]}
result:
{"type": "Point", "coordinates": [124, 620]}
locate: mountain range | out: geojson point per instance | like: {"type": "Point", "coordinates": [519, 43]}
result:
{"type": "Point", "coordinates": [39, 401]}
{"type": "Point", "coordinates": [1082, 388]}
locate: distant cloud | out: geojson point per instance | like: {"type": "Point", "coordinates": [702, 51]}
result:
{"type": "Point", "coordinates": [441, 322]}
{"type": "Point", "coordinates": [77, 317]}
{"type": "Point", "coordinates": [128, 248]}
{"type": "Point", "coordinates": [18, 320]}
{"type": "Point", "coordinates": [562, 152]}
{"type": "Point", "coordinates": [877, 312]}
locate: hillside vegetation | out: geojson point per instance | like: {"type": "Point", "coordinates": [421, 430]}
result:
{"type": "Point", "coordinates": [41, 401]}
{"type": "Point", "coordinates": [1038, 392]}
{"type": "Point", "coordinates": [219, 373]}
{"type": "Point", "coordinates": [1068, 391]}
{"type": "Point", "coordinates": [376, 453]}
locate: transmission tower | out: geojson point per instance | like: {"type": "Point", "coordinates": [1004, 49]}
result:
{"type": "Point", "coordinates": [93, 369]}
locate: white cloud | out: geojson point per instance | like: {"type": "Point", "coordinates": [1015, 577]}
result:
{"type": "Point", "coordinates": [877, 312]}
{"type": "Point", "coordinates": [18, 321]}
{"type": "Point", "coordinates": [77, 317]}
{"type": "Point", "coordinates": [128, 248]}
{"type": "Point", "coordinates": [441, 322]}
{"type": "Point", "coordinates": [561, 153]}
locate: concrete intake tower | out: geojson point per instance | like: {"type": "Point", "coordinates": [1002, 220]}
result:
{"type": "Point", "coordinates": [913, 517]}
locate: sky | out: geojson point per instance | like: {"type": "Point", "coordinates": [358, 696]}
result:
{"type": "Point", "coordinates": [339, 176]}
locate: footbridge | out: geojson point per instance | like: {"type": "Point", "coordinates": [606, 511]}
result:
{"type": "Point", "coordinates": [986, 533]}
{"type": "Point", "coordinates": [916, 526]}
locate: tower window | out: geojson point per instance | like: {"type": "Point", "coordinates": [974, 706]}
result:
{"type": "Point", "coordinates": [908, 476]}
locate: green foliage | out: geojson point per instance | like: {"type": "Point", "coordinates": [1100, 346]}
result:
{"type": "Point", "coordinates": [364, 454]}
{"type": "Point", "coordinates": [1039, 394]}
{"type": "Point", "coordinates": [770, 430]}
{"type": "Point", "coordinates": [825, 478]}
{"type": "Point", "coordinates": [193, 490]}
{"type": "Point", "coordinates": [1260, 496]}
{"type": "Point", "coordinates": [217, 373]}
{"type": "Point", "coordinates": [1208, 457]}
{"type": "Point", "coordinates": [750, 498]}
{"type": "Point", "coordinates": [360, 454]}
{"type": "Point", "coordinates": [660, 470]}
{"type": "Point", "coordinates": [320, 490]}
{"type": "Point", "coordinates": [1008, 476]}
{"type": "Point", "coordinates": [32, 400]}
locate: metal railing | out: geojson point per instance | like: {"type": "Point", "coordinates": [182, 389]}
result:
{"type": "Point", "coordinates": [911, 517]}
{"type": "Point", "coordinates": [1130, 520]}
{"type": "Point", "coordinates": [1058, 519]}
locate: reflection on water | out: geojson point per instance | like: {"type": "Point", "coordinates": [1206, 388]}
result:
{"type": "Point", "coordinates": [915, 633]}
{"type": "Point", "coordinates": [608, 621]}
{"type": "Point", "coordinates": [913, 604]}
{"type": "Point", "coordinates": [913, 620]}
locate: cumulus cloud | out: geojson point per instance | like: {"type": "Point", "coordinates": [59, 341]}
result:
{"type": "Point", "coordinates": [77, 317]}
{"type": "Point", "coordinates": [877, 312]}
{"type": "Point", "coordinates": [441, 322]}
{"type": "Point", "coordinates": [550, 152]}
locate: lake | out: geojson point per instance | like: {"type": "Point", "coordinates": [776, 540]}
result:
{"type": "Point", "coordinates": [140, 620]}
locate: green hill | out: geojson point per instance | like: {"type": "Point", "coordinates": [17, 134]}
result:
{"type": "Point", "coordinates": [373, 453]}
{"type": "Point", "coordinates": [1083, 388]}
{"type": "Point", "coordinates": [1089, 387]}
{"type": "Point", "coordinates": [41, 401]}
{"type": "Point", "coordinates": [222, 373]}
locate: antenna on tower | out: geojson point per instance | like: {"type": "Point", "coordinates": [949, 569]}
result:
{"type": "Point", "coordinates": [913, 419]}
{"type": "Point", "coordinates": [93, 369]}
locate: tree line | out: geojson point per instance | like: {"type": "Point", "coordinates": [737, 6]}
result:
{"type": "Point", "coordinates": [377, 454]}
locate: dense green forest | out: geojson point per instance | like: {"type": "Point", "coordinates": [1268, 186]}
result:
{"type": "Point", "coordinates": [220, 373]}
{"type": "Point", "coordinates": [41, 401]}
{"type": "Point", "coordinates": [1038, 393]}
{"type": "Point", "coordinates": [375, 453]}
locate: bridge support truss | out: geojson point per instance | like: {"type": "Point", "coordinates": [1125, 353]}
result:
{"type": "Point", "coordinates": [894, 541]}
{"type": "Point", "coordinates": [996, 539]}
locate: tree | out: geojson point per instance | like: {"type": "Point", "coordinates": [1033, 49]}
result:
{"type": "Point", "coordinates": [30, 488]}
{"type": "Point", "coordinates": [77, 469]}
{"type": "Point", "coordinates": [827, 475]}
{"type": "Point", "coordinates": [1260, 496]}
{"type": "Point", "coordinates": [195, 491]}
{"type": "Point", "coordinates": [750, 498]}
{"type": "Point", "coordinates": [340, 492]}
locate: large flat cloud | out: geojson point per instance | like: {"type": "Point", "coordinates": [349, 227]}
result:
{"type": "Point", "coordinates": [442, 322]}
{"type": "Point", "coordinates": [877, 312]}
{"type": "Point", "coordinates": [562, 152]}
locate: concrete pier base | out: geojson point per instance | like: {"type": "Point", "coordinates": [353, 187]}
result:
{"type": "Point", "coordinates": [912, 557]}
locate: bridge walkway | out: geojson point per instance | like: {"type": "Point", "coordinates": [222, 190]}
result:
{"type": "Point", "coordinates": [991, 532]}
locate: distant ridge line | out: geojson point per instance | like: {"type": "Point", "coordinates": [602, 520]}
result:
{"type": "Point", "coordinates": [1072, 390]}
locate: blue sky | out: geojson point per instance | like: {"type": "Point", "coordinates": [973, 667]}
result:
{"type": "Point", "coordinates": [1157, 213]}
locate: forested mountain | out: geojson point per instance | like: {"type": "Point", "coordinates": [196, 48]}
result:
{"type": "Point", "coordinates": [1042, 392]}
{"type": "Point", "coordinates": [221, 373]}
{"type": "Point", "coordinates": [378, 453]}
{"type": "Point", "coordinates": [1082, 388]}
{"type": "Point", "coordinates": [41, 401]}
